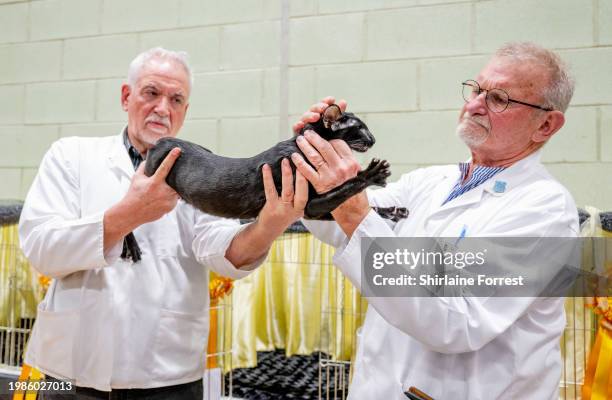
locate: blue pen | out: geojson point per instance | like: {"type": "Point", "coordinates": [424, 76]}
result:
{"type": "Point", "coordinates": [461, 235]}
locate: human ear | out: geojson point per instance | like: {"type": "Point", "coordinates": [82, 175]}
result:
{"type": "Point", "coordinates": [553, 121]}
{"type": "Point", "coordinates": [125, 94]}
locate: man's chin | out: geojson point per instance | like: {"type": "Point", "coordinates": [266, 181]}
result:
{"type": "Point", "coordinates": [473, 138]}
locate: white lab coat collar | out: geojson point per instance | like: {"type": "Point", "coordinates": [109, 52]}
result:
{"type": "Point", "coordinates": [511, 177]}
{"type": "Point", "coordinates": [119, 159]}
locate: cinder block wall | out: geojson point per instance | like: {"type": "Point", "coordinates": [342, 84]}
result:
{"type": "Point", "coordinates": [399, 63]}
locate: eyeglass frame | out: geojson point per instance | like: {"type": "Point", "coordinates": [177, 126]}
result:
{"type": "Point", "coordinates": [509, 100]}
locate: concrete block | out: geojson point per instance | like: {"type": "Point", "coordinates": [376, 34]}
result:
{"type": "Point", "coordinates": [440, 81]}
{"type": "Point", "coordinates": [30, 62]}
{"type": "Point", "coordinates": [417, 138]}
{"type": "Point", "coordinates": [589, 183]}
{"type": "Point", "coordinates": [370, 87]}
{"type": "Point", "coordinates": [99, 57]}
{"type": "Point", "coordinates": [209, 12]}
{"type": "Point", "coordinates": [139, 15]}
{"type": "Point", "coordinates": [270, 92]}
{"type": "Point", "coordinates": [92, 129]}
{"type": "Point", "coordinates": [202, 45]}
{"type": "Point", "coordinates": [108, 100]}
{"type": "Point", "coordinates": [54, 19]}
{"type": "Point", "coordinates": [12, 104]}
{"type": "Point", "coordinates": [605, 133]}
{"type": "Point", "coordinates": [226, 94]}
{"type": "Point", "coordinates": [246, 137]}
{"type": "Point", "coordinates": [591, 69]}
{"type": "Point", "coordinates": [326, 39]}
{"type": "Point", "coordinates": [551, 23]}
{"type": "Point", "coordinates": [14, 22]}
{"type": "Point", "coordinates": [344, 6]}
{"type": "Point", "coordinates": [577, 140]}
{"type": "Point", "coordinates": [11, 183]}
{"type": "Point", "coordinates": [297, 8]}
{"type": "Point", "coordinates": [27, 178]}
{"type": "Point", "coordinates": [604, 22]}
{"type": "Point", "coordinates": [24, 146]}
{"type": "Point", "coordinates": [252, 45]}
{"type": "Point", "coordinates": [433, 2]}
{"type": "Point", "coordinates": [301, 89]}
{"type": "Point", "coordinates": [60, 102]}
{"type": "Point", "coordinates": [202, 132]}
{"type": "Point", "coordinates": [418, 32]}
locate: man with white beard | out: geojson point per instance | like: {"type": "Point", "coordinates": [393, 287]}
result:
{"type": "Point", "coordinates": [461, 347]}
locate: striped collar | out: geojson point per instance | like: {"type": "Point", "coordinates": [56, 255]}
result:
{"type": "Point", "coordinates": [480, 175]}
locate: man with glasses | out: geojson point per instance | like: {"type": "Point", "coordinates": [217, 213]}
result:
{"type": "Point", "coordinates": [462, 347]}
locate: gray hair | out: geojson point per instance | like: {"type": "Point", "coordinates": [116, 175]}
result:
{"type": "Point", "coordinates": [180, 57]}
{"type": "Point", "coordinates": [560, 88]}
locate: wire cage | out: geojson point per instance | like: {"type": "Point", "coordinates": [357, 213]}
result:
{"type": "Point", "coordinates": [19, 295]}
{"type": "Point", "coordinates": [331, 308]}
{"type": "Point", "coordinates": [218, 378]}
{"type": "Point", "coordinates": [342, 312]}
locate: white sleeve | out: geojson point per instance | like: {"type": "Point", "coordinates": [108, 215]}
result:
{"type": "Point", "coordinates": [212, 237]}
{"type": "Point", "coordinates": [394, 194]}
{"type": "Point", "coordinates": [448, 324]}
{"type": "Point", "coordinates": [55, 237]}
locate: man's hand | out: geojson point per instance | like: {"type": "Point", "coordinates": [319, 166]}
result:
{"type": "Point", "coordinates": [278, 214]}
{"type": "Point", "coordinates": [315, 111]}
{"type": "Point", "coordinates": [333, 163]}
{"type": "Point", "coordinates": [147, 200]}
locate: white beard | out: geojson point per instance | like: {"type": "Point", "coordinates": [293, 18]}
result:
{"type": "Point", "coordinates": [473, 135]}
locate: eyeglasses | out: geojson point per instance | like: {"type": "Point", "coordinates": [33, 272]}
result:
{"type": "Point", "coordinates": [497, 100]}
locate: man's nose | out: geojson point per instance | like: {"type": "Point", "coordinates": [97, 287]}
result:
{"type": "Point", "coordinates": [477, 105]}
{"type": "Point", "coordinates": [162, 108]}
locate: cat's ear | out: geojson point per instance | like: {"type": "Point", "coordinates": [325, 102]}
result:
{"type": "Point", "coordinates": [330, 115]}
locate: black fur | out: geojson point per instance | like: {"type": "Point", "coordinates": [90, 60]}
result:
{"type": "Point", "coordinates": [233, 187]}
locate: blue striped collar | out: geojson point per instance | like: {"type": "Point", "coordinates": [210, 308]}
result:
{"type": "Point", "coordinates": [480, 175]}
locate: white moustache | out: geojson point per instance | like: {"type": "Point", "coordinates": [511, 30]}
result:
{"type": "Point", "coordinates": [479, 121]}
{"type": "Point", "coordinates": [164, 121]}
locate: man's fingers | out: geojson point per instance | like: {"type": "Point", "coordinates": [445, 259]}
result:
{"type": "Point", "coordinates": [140, 169]}
{"type": "Point", "coordinates": [268, 182]}
{"type": "Point", "coordinates": [307, 171]}
{"type": "Point", "coordinates": [166, 165]}
{"type": "Point", "coordinates": [342, 104]}
{"type": "Point", "coordinates": [342, 148]}
{"type": "Point", "coordinates": [310, 116]}
{"type": "Point", "coordinates": [287, 181]}
{"type": "Point", "coordinates": [315, 158]}
{"type": "Point", "coordinates": [323, 147]}
{"type": "Point", "coordinates": [301, 191]}
{"type": "Point", "coordinates": [329, 100]}
{"type": "Point", "coordinates": [298, 126]}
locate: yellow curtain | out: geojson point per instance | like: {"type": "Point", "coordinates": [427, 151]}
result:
{"type": "Point", "coordinates": [20, 292]}
{"type": "Point", "coordinates": [297, 301]}
{"type": "Point", "coordinates": [598, 377]}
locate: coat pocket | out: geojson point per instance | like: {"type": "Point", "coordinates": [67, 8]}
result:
{"type": "Point", "coordinates": [53, 341]}
{"type": "Point", "coordinates": [179, 347]}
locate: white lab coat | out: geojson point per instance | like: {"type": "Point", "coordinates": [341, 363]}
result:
{"type": "Point", "coordinates": [105, 322]}
{"type": "Point", "coordinates": [460, 347]}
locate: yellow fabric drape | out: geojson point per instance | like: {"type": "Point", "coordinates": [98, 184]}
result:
{"type": "Point", "coordinates": [15, 272]}
{"type": "Point", "coordinates": [598, 377]}
{"type": "Point", "coordinates": [297, 301]}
